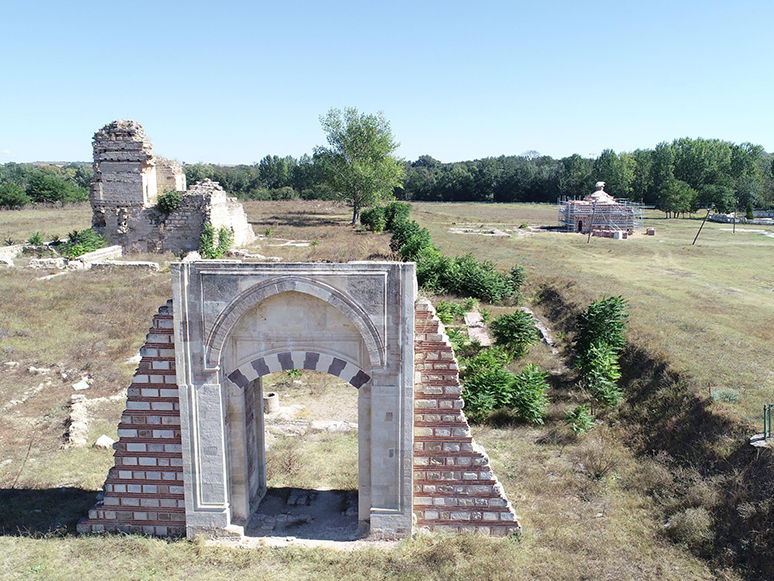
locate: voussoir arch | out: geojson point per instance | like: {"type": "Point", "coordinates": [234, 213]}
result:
{"type": "Point", "coordinates": [312, 360]}
{"type": "Point", "coordinates": [251, 297]}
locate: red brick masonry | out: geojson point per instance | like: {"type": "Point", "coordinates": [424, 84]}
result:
{"type": "Point", "coordinates": [144, 490]}
{"type": "Point", "coordinates": [455, 489]}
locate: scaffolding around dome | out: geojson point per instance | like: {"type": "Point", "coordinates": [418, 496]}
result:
{"type": "Point", "coordinates": [599, 213]}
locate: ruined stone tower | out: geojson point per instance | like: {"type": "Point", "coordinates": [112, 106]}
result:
{"type": "Point", "coordinates": [128, 179]}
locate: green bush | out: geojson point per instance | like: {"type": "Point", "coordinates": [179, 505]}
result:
{"type": "Point", "coordinates": [449, 311]}
{"type": "Point", "coordinates": [604, 321]}
{"type": "Point", "coordinates": [486, 391]}
{"type": "Point", "coordinates": [13, 197]}
{"type": "Point", "coordinates": [81, 242]}
{"type": "Point", "coordinates": [529, 399]}
{"type": "Point", "coordinates": [749, 212]}
{"type": "Point", "coordinates": [169, 202]}
{"type": "Point", "coordinates": [395, 213]}
{"type": "Point", "coordinates": [36, 239]}
{"type": "Point", "coordinates": [461, 275]}
{"type": "Point", "coordinates": [516, 332]}
{"type": "Point", "coordinates": [225, 240]}
{"type": "Point", "coordinates": [487, 360]}
{"type": "Point", "coordinates": [492, 387]}
{"type": "Point", "coordinates": [373, 219]}
{"type": "Point", "coordinates": [208, 247]}
{"type": "Point", "coordinates": [580, 419]}
{"type": "Point", "coordinates": [600, 374]}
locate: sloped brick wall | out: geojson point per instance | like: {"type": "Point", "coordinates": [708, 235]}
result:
{"type": "Point", "coordinates": [144, 490]}
{"type": "Point", "coordinates": [455, 489]}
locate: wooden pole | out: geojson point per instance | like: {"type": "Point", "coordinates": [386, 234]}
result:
{"type": "Point", "coordinates": [591, 226]}
{"type": "Point", "coordinates": [700, 227]}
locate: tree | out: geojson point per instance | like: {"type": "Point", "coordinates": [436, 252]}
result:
{"type": "Point", "coordinates": [358, 163]}
{"type": "Point", "coordinates": [12, 196]}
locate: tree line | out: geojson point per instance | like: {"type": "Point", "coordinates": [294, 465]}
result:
{"type": "Point", "coordinates": [26, 183]}
{"type": "Point", "coordinates": [678, 177]}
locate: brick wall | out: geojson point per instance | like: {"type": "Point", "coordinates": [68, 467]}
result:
{"type": "Point", "coordinates": [455, 489]}
{"type": "Point", "coordinates": [144, 490]}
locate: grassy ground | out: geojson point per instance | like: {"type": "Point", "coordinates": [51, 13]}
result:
{"type": "Point", "coordinates": [706, 308]}
{"type": "Point", "coordinates": [19, 225]}
{"type": "Point", "coordinates": [585, 504]}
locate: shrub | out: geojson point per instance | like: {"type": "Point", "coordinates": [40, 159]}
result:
{"type": "Point", "coordinates": [79, 243]}
{"type": "Point", "coordinates": [395, 213]}
{"type": "Point", "coordinates": [208, 247]}
{"type": "Point", "coordinates": [13, 197]}
{"type": "Point", "coordinates": [529, 399]}
{"type": "Point", "coordinates": [461, 275]}
{"type": "Point", "coordinates": [207, 242]}
{"type": "Point", "coordinates": [515, 331]}
{"type": "Point", "coordinates": [749, 212]}
{"type": "Point", "coordinates": [449, 311]}
{"type": "Point", "coordinates": [488, 390]}
{"type": "Point", "coordinates": [492, 388]}
{"type": "Point", "coordinates": [225, 240]}
{"type": "Point", "coordinates": [169, 202]}
{"type": "Point", "coordinates": [487, 360]}
{"type": "Point", "coordinates": [579, 419]}
{"type": "Point", "coordinates": [373, 219]}
{"type": "Point", "coordinates": [604, 321]}
{"type": "Point", "coordinates": [600, 372]}
{"type": "Point", "coordinates": [458, 338]}
{"type": "Point", "coordinates": [726, 394]}
{"type": "Point", "coordinates": [36, 239]}
{"type": "Point", "coordinates": [693, 528]}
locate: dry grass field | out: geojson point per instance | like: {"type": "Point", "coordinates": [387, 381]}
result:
{"type": "Point", "coordinates": [590, 506]}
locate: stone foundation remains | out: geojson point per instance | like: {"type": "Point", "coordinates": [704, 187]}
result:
{"type": "Point", "coordinates": [128, 178]}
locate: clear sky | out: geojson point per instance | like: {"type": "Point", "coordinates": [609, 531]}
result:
{"type": "Point", "coordinates": [229, 82]}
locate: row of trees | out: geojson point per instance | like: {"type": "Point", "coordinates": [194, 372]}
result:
{"type": "Point", "coordinates": [717, 172]}
{"type": "Point", "coordinates": [25, 183]}
{"type": "Point", "coordinates": [677, 177]}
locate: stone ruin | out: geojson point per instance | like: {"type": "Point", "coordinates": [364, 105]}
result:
{"type": "Point", "coordinates": [191, 455]}
{"type": "Point", "coordinates": [128, 178]}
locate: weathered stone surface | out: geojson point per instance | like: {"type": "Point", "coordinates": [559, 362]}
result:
{"type": "Point", "coordinates": [104, 442]}
{"type": "Point", "coordinates": [109, 265]}
{"type": "Point", "coordinates": [128, 178]}
{"type": "Point", "coordinates": [47, 263]}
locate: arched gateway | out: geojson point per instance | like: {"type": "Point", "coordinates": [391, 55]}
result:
{"type": "Point", "coordinates": [191, 454]}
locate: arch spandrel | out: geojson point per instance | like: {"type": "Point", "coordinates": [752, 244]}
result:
{"type": "Point", "coordinates": [240, 305]}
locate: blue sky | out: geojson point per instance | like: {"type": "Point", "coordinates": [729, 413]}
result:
{"type": "Point", "coordinates": [230, 82]}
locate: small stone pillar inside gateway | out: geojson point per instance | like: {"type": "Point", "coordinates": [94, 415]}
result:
{"type": "Point", "coordinates": [191, 454]}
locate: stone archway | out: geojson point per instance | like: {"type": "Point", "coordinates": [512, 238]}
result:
{"type": "Point", "coordinates": [236, 322]}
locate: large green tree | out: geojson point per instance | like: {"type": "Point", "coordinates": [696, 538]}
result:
{"type": "Point", "coordinates": [359, 162]}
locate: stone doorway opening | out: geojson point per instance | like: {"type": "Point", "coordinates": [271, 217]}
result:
{"type": "Point", "coordinates": [308, 462]}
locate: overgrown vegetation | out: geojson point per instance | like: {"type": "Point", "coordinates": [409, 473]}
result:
{"type": "Point", "coordinates": [516, 332]}
{"type": "Point", "coordinates": [80, 242]}
{"type": "Point", "coordinates": [169, 202]}
{"type": "Point", "coordinates": [599, 341]}
{"type": "Point", "coordinates": [215, 243]}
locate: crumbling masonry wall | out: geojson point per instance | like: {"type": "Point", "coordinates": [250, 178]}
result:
{"type": "Point", "coordinates": [455, 489]}
{"type": "Point", "coordinates": [128, 178]}
{"type": "Point", "coordinates": [144, 491]}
